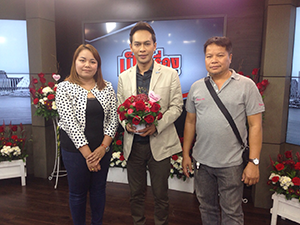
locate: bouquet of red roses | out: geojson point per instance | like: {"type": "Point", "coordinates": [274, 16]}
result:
{"type": "Point", "coordinates": [141, 109]}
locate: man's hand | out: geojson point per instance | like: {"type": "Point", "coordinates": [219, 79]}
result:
{"type": "Point", "coordinates": [148, 130]}
{"type": "Point", "coordinates": [251, 174]}
{"type": "Point", "coordinates": [187, 165]}
{"type": "Point", "coordinates": [130, 128]}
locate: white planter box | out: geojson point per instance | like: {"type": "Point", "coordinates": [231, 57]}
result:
{"type": "Point", "coordinates": [119, 175]}
{"type": "Point", "coordinates": [15, 168]}
{"type": "Point", "coordinates": [288, 209]}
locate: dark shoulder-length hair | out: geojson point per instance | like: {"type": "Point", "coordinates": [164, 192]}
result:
{"type": "Point", "coordinates": [74, 78]}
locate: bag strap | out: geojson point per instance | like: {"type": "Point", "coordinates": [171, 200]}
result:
{"type": "Point", "coordinates": [224, 110]}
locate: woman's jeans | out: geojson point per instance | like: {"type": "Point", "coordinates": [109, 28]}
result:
{"type": "Point", "coordinates": [220, 187]}
{"type": "Point", "coordinates": [81, 181]}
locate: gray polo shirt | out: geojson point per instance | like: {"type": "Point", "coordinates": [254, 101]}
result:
{"type": "Point", "coordinates": [216, 145]}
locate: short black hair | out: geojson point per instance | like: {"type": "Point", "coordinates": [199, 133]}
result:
{"type": "Point", "coordinates": [220, 41]}
{"type": "Point", "coordinates": [142, 26]}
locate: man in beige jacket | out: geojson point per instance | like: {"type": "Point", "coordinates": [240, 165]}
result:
{"type": "Point", "coordinates": [153, 147]}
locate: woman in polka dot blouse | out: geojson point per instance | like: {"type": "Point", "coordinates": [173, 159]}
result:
{"type": "Point", "coordinates": [88, 121]}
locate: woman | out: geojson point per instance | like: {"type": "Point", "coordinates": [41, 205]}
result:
{"type": "Point", "coordinates": [86, 105]}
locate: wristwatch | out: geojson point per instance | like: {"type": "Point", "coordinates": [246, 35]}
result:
{"type": "Point", "coordinates": [254, 161]}
{"type": "Point", "coordinates": [106, 147]}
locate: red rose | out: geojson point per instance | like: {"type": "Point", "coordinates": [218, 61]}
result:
{"type": "Point", "coordinates": [155, 107]}
{"type": "Point", "coordinates": [36, 101]}
{"type": "Point", "coordinates": [159, 116]}
{"type": "Point", "coordinates": [8, 143]}
{"type": "Point", "coordinates": [279, 166]}
{"type": "Point", "coordinates": [41, 75]}
{"type": "Point", "coordinates": [35, 81]}
{"type": "Point", "coordinates": [14, 137]}
{"type": "Point", "coordinates": [265, 82]}
{"type": "Point", "coordinates": [14, 128]}
{"type": "Point", "coordinates": [51, 96]}
{"type": "Point", "coordinates": [149, 119]}
{"type": "Point", "coordinates": [43, 80]}
{"type": "Point", "coordinates": [140, 105]}
{"type": "Point", "coordinates": [54, 89]}
{"type": "Point", "coordinates": [119, 142]}
{"type": "Point", "coordinates": [296, 181]}
{"type": "Point", "coordinates": [288, 154]}
{"type": "Point", "coordinates": [127, 104]}
{"type": "Point", "coordinates": [136, 120]}
{"type": "Point", "coordinates": [255, 71]}
{"type": "Point", "coordinates": [122, 116]}
{"type": "Point", "coordinates": [32, 91]}
{"type": "Point", "coordinates": [122, 158]}
{"type": "Point", "coordinates": [51, 84]}
{"type": "Point", "coordinates": [297, 166]}
{"type": "Point", "coordinates": [259, 86]}
{"type": "Point", "coordinates": [275, 179]}
{"type": "Point", "coordinates": [174, 157]}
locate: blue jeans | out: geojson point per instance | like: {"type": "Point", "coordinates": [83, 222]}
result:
{"type": "Point", "coordinates": [220, 188]}
{"type": "Point", "coordinates": [81, 181]}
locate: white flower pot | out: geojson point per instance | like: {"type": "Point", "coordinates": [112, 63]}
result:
{"type": "Point", "coordinates": [181, 185]}
{"type": "Point", "coordinates": [288, 209]}
{"type": "Point", "coordinates": [119, 175]}
{"type": "Point", "coordinates": [15, 168]}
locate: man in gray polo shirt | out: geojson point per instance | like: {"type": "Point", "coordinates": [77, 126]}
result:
{"type": "Point", "coordinates": [219, 172]}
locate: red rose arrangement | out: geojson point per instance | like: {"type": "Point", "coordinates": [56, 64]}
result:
{"type": "Point", "coordinates": [43, 96]}
{"type": "Point", "coordinates": [141, 109]}
{"type": "Point", "coordinates": [255, 77]}
{"type": "Point", "coordinates": [12, 142]}
{"type": "Point", "coordinates": [285, 175]}
{"type": "Point", "coordinates": [118, 159]}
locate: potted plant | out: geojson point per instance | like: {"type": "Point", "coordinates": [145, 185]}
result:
{"type": "Point", "coordinates": [12, 152]}
{"type": "Point", "coordinates": [284, 181]}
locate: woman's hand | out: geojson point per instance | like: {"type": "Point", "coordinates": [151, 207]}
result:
{"type": "Point", "coordinates": [93, 167]}
{"type": "Point", "coordinates": [96, 155]}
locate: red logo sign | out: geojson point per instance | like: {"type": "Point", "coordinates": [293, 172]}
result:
{"type": "Point", "coordinates": [127, 60]}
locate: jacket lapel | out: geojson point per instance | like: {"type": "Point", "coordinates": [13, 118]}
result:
{"type": "Point", "coordinates": [132, 80]}
{"type": "Point", "coordinates": [155, 76]}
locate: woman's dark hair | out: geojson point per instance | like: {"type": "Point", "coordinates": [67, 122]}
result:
{"type": "Point", "coordinates": [142, 26]}
{"type": "Point", "coordinates": [220, 41]}
{"type": "Point", "coordinates": [74, 78]}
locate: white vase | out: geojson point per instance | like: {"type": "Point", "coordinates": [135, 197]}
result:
{"type": "Point", "coordinates": [15, 168]}
{"type": "Point", "coordinates": [288, 209]}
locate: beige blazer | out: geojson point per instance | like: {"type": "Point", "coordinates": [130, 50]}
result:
{"type": "Point", "coordinates": [165, 82]}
